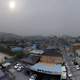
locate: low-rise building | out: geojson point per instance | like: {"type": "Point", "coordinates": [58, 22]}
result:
{"type": "Point", "coordinates": [2, 57]}
{"type": "Point", "coordinates": [27, 49]}
{"type": "Point", "coordinates": [52, 69]}
{"type": "Point", "coordinates": [30, 59]}
{"type": "Point", "coordinates": [76, 52]}
{"type": "Point", "coordinates": [17, 49]}
{"type": "Point", "coordinates": [37, 51]}
{"type": "Point", "coordinates": [64, 73]}
{"type": "Point", "coordinates": [50, 63]}
{"type": "Point", "coordinates": [75, 46]}
{"type": "Point", "coordinates": [54, 58]}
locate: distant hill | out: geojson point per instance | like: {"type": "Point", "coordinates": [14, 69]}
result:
{"type": "Point", "coordinates": [6, 36]}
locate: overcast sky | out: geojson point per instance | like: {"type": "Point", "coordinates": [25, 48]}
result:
{"type": "Point", "coordinates": [41, 17]}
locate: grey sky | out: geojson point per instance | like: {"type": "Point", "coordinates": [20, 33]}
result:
{"type": "Point", "coordinates": [41, 17]}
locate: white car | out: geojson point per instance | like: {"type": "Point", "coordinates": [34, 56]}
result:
{"type": "Point", "coordinates": [17, 65]}
{"type": "Point", "coordinates": [19, 69]}
{"type": "Point", "coordinates": [6, 64]}
{"type": "Point", "coordinates": [77, 67]}
{"type": "Point", "coordinates": [33, 77]}
{"type": "Point", "coordinates": [69, 75]}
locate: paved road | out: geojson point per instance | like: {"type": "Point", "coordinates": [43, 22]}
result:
{"type": "Point", "coordinates": [68, 60]}
{"type": "Point", "coordinates": [21, 76]}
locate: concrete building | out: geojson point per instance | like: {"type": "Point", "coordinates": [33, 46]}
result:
{"type": "Point", "coordinates": [64, 73]}
{"type": "Point", "coordinates": [17, 49]}
{"type": "Point", "coordinates": [76, 52]}
{"type": "Point", "coordinates": [50, 63]}
{"type": "Point", "coordinates": [30, 59]}
{"type": "Point", "coordinates": [67, 48]}
{"type": "Point", "coordinates": [37, 51]}
{"type": "Point", "coordinates": [2, 57]}
{"type": "Point", "coordinates": [75, 46]}
{"type": "Point", "coordinates": [52, 58]}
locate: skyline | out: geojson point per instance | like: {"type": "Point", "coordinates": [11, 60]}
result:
{"type": "Point", "coordinates": [41, 17]}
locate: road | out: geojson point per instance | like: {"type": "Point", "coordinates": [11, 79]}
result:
{"type": "Point", "coordinates": [21, 76]}
{"type": "Point", "coordinates": [13, 73]}
{"type": "Point", "coordinates": [73, 70]}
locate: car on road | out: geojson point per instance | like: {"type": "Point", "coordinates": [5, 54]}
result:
{"type": "Point", "coordinates": [69, 75]}
{"type": "Point", "coordinates": [6, 64]}
{"type": "Point", "coordinates": [33, 77]}
{"type": "Point", "coordinates": [77, 67]}
{"type": "Point", "coordinates": [18, 67]}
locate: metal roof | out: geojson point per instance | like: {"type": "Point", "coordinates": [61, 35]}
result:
{"type": "Point", "coordinates": [37, 51]}
{"type": "Point", "coordinates": [31, 59]}
{"type": "Point", "coordinates": [17, 49]}
{"type": "Point", "coordinates": [54, 69]}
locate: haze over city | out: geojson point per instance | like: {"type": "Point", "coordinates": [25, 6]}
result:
{"type": "Point", "coordinates": [40, 17]}
{"type": "Point", "coordinates": [39, 40]}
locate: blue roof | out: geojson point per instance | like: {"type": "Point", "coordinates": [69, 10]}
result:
{"type": "Point", "coordinates": [34, 46]}
{"type": "Point", "coordinates": [54, 69]}
{"type": "Point", "coordinates": [17, 49]}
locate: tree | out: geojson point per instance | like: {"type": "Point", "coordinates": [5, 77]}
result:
{"type": "Point", "coordinates": [19, 55]}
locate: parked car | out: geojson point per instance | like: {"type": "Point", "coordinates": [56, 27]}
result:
{"type": "Point", "coordinates": [18, 67]}
{"type": "Point", "coordinates": [69, 75]}
{"type": "Point", "coordinates": [33, 77]}
{"type": "Point", "coordinates": [77, 67]}
{"type": "Point", "coordinates": [6, 64]}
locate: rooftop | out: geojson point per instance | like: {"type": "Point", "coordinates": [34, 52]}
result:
{"type": "Point", "coordinates": [54, 69]}
{"type": "Point", "coordinates": [52, 52]}
{"type": "Point", "coordinates": [31, 59]}
{"type": "Point", "coordinates": [76, 44]}
{"type": "Point", "coordinates": [37, 51]}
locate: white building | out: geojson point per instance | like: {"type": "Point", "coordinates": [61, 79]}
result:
{"type": "Point", "coordinates": [64, 73]}
{"type": "Point", "coordinates": [37, 51]}
{"type": "Point", "coordinates": [78, 56]}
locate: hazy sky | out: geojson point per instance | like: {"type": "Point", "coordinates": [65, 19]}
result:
{"type": "Point", "coordinates": [41, 17]}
